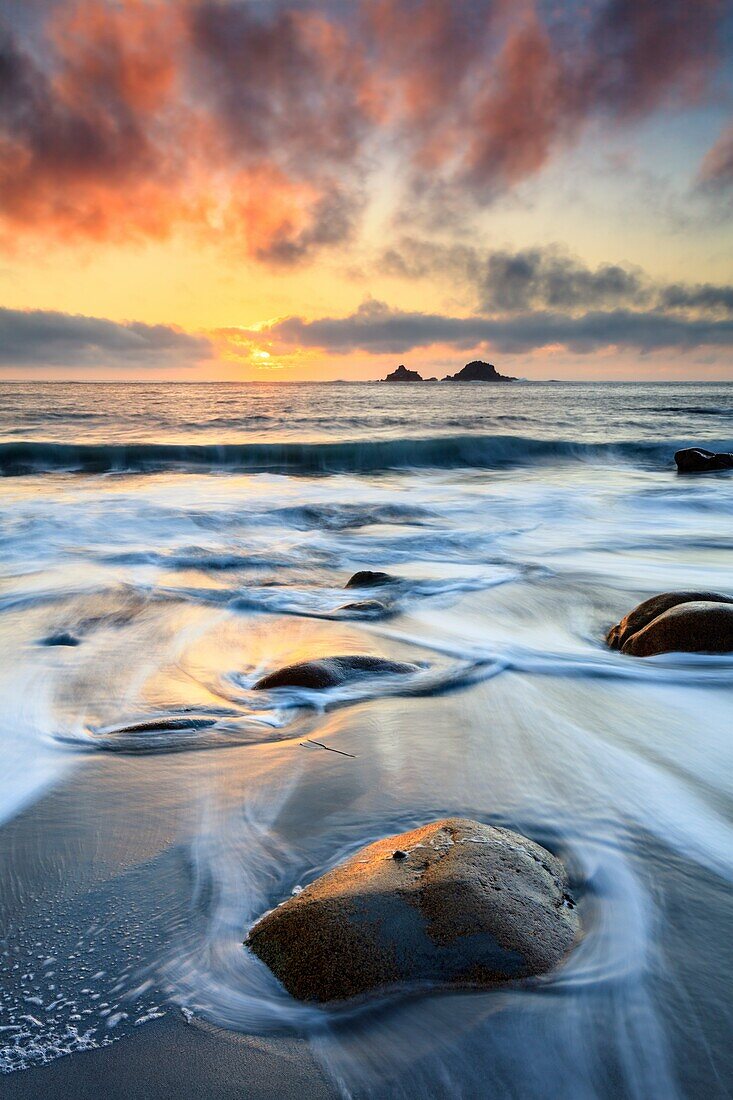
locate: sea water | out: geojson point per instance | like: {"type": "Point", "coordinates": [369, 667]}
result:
{"type": "Point", "coordinates": [162, 546]}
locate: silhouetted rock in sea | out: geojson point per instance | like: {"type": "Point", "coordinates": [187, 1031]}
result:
{"type": "Point", "coordinates": [402, 374]}
{"type": "Point", "coordinates": [696, 460]}
{"type": "Point", "coordinates": [454, 902]}
{"type": "Point", "coordinates": [676, 622]}
{"type": "Point", "coordinates": [332, 671]}
{"type": "Point", "coordinates": [478, 372]}
{"type": "Point", "coordinates": [366, 578]}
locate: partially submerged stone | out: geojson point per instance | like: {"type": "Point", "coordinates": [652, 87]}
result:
{"type": "Point", "coordinates": [698, 460]}
{"type": "Point", "coordinates": [368, 609]}
{"type": "Point", "coordinates": [367, 578]}
{"type": "Point", "coordinates": [454, 902]}
{"type": "Point", "coordinates": [332, 671]}
{"type": "Point", "coordinates": [650, 609]}
{"type": "Point", "coordinates": [698, 627]}
{"type": "Point", "coordinates": [63, 638]}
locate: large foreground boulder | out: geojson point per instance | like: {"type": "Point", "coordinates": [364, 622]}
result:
{"type": "Point", "coordinates": [697, 460]}
{"type": "Point", "coordinates": [453, 902]}
{"type": "Point", "coordinates": [676, 622]}
{"type": "Point", "coordinates": [332, 671]}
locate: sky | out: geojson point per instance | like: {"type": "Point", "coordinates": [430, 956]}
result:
{"type": "Point", "coordinates": [279, 190]}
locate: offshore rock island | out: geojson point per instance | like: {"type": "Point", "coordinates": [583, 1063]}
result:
{"type": "Point", "coordinates": [477, 371]}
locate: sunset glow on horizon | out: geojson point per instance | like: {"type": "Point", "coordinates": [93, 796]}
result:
{"type": "Point", "coordinates": [284, 190]}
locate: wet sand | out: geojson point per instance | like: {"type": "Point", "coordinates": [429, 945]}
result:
{"type": "Point", "coordinates": [78, 856]}
{"type": "Point", "coordinates": [168, 1058]}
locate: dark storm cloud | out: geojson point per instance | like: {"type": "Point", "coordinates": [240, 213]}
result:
{"type": "Point", "coordinates": [46, 338]}
{"type": "Point", "coordinates": [378, 329]}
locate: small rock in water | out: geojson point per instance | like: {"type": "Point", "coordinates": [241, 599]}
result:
{"type": "Point", "coordinates": [61, 639]}
{"type": "Point", "coordinates": [473, 905]}
{"type": "Point", "coordinates": [365, 578]}
{"type": "Point", "coordinates": [372, 609]}
{"type": "Point", "coordinates": [332, 671]}
{"type": "Point", "coordinates": [698, 460]}
{"type": "Point", "coordinates": [676, 622]}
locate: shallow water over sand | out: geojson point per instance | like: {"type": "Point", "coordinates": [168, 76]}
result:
{"type": "Point", "coordinates": [154, 805]}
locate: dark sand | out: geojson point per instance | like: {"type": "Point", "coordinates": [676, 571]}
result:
{"type": "Point", "coordinates": [81, 853]}
{"type": "Point", "coordinates": [168, 1058]}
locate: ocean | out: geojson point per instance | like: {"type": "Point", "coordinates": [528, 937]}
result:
{"type": "Point", "coordinates": [164, 545]}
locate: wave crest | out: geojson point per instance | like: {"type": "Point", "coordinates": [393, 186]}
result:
{"type": "Point", "coordinates": [357, 456]}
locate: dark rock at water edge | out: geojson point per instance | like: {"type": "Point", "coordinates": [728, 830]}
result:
{"type": "Point", "coordinates": [478, 372]}
{"type": "Point", "coordinates": [62, 639]}
{"type": "Point", "coordinates": [368, 609]}
{"type": "Point", "coordinates": [366, 578]}
{"type": "Point", "coordinates": [698, 460]}
{"type": "Point", "coordinates": [402, 374]}
{"type": "Point", "coordinates": [686, 628]}
{"type": "Point", "coordinates": [676, 622]}
{"type": "Point", "coordinates": [453, 902]}
{"type": "Point", "coordinates": [333, 671]}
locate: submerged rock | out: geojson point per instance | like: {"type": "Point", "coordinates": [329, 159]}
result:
{"type": "Point", "coordinates": [453, 902]}
{"type": "Point", "coordinates": [698, 460]}
{"type": "Point", "coordinates": [650, 609]}
{"type": "Point", "coordinates": [332, 671]}
{"type": "Point", "coordinates": [366, 578]}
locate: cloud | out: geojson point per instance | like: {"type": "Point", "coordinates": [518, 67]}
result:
{"type": "Point", "coordinates": [377, 329]}
{"type": "Point", "coordinates": [645, 54]}
{"type": "Point", "coordinates": [547, 278]}
{"type": "Point", "coordinates": [110, 137]}
{"type": "Point", "coordinates": [78, 147]}
{"type": "Point", "coordinates": [41, 338]}
{"type": "Point", "coordinates": [716, 170]}
{"type": "Point", "coordinates": [258, 124]}
{"type": "Point", "coordinates": [697, 296]}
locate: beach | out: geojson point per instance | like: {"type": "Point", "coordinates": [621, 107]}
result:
{"type": "Point", "coordinates": [162, 547]}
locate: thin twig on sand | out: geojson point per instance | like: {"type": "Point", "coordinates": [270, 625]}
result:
{"type": "Point", "coordinates": [320, 744]}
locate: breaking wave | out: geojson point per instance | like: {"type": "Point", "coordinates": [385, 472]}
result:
{"type": "Point", "coordinates": [446, 452]}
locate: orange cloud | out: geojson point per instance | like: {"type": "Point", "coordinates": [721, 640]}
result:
{"type": "Point", "coordinates": [258, 124]}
